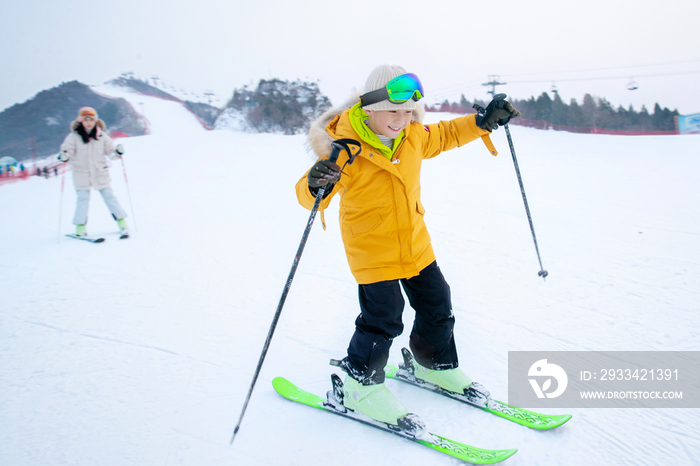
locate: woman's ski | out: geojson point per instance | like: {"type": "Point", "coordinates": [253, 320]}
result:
{"type": "Point", "coordinates": [92, 240]}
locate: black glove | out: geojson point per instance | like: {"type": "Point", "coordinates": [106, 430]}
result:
{"type": "Point", "coordinates": [497, 113]}
{"type": "Point", "coordinates": [323, 172]}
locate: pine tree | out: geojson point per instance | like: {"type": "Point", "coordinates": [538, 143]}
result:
{"type": "Point", "coordinates": [543, 109]}
{"type": "Point", "coordinates": [465, 105]}
{"type": "Point", "coordinates": [559, 112]}
{"type": "Point", "coordinates": [589, 108]}
{"type": "Point", "coordinates": [663, 120]}
{"type": "Point", "coordinates": [632, 119]}
{"type": "Point", "coordinates": [605, 115]}
{"type": "Point", "coordinates": [623, 118]}
{"type": "Point", "coordinates": [575, 114]}
{"type": "Point", "coordinates": [645, 123]}
{"type": "Point", "coordinates": [529, 107]}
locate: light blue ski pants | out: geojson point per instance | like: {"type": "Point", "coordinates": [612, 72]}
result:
{"type": "Point", "coordinates": [83, 202]}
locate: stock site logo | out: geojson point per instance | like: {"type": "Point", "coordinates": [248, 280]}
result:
{"type": "Point", "coordinates": [543, 369]}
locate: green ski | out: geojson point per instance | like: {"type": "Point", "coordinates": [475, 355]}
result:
{"type": "Point", "coordinates": [477, 397]}
{"type": "Point", "coordinates": [413, 429]}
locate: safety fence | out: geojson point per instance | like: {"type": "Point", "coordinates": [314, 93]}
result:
{"type": "Point", "coordinates": [16, 173]}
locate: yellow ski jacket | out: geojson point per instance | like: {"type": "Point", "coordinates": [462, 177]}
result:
{"type": "Point", "coordinates": [381, 215]}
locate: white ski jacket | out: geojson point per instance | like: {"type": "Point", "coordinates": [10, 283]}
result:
{"type": "Point", "coordinates": [89, 161]}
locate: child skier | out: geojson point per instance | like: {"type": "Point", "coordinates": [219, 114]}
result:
{"type": "Point", "coordinates": [385, 238]}
{"type": "Point", "coordinates": [86, 147]}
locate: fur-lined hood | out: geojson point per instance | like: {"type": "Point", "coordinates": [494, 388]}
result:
{"type": "Point", "coordinates": [318, 140]}
{"type": "Point", "coordinates": [100, 124]}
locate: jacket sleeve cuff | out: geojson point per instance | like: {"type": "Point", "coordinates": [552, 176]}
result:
{"type": "Point", "coordinates": [475, 122]}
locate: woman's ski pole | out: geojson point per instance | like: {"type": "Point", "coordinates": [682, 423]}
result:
{"type": "Point", "coordinates": [337, 146]}
{"type": "Point", "coordinates": [542, 273]}
{"type": "Point", "coordinates": [60, 208]}
{"type": "Point", "coordinates": [128, 193]}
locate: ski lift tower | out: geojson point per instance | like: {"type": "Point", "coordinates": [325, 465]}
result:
{"type": "Point", "coordinates": [493, 82]}
{"type": "Point", "coordinates": [209, 94]}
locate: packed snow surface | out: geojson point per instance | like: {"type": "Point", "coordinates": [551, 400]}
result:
{"type": "Point", "coordinates": [141, 351]}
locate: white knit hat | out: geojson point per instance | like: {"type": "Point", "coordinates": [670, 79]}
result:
{"type": "Point", "coordinates": [378, 79]}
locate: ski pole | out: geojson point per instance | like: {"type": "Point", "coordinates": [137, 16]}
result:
{"type": "Point", "coordinates": [337, 146]}
{"type": "Point", "coordinates": [128, 193]}
{"type": "Point", "coordinates": [542, 273]}
{"type": "Point", "coordinates": [500, 98]}
{"type": "Point", "coordinates": [60, 208]}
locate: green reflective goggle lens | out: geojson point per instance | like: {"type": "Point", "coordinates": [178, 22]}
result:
{"type": "Point", "coordinates": [405, 87]}
{"type": "Point", "coordinates": [399, 90]}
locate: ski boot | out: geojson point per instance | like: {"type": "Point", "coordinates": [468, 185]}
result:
{"type": "Point", "coordinates": [453, 380]}
{"type": "Point", "coordinates": [394, 416]}
{"type": "Point", "coordinates": [123, 228]}
{"type": "Point", "coordinates": [375, 401]}
{"type": "Point", "coordinates": [450, 381]}
{"type": "Point", "coordinates": [81, 231]}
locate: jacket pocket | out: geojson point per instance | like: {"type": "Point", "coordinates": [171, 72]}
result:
{"type": "Point", "coordinates": [366, 225]}
{"type": "Point", "coordinates": [103, 175]}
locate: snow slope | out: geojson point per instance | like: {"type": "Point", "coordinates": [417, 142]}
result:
{"type": "Point", "coordinates": [141, 352]}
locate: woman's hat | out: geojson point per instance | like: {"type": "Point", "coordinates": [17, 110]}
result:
{"type": "Point", "coordinates": [87, 112]}
{"type": "Point", "coordinates": [378, 79]}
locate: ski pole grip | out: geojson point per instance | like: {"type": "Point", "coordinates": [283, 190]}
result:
{"type": "Point", "coordinates": [335, 152]}
{"type": "Point", "coordinates": [344, 144]}
{"type": "Point", "coordinates": [500, 100]}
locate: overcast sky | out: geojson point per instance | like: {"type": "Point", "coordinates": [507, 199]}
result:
{"type": "Point", "coordinates": [594, 46]}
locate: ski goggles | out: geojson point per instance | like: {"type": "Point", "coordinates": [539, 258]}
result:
{"type": "Point", "coordinates": [399, 90]}
{"type": "Point", "coordinates": [87, 113]}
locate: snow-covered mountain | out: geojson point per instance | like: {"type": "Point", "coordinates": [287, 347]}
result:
{"type": "Point", "coordinates": [37, 127]}
{"type": "Point", "coordinates": [274, 106]}
{"type": "Point", "coordinates": [141, 351]}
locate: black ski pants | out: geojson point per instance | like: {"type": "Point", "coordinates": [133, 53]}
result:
{"type": "Point", "coordinates": [431, 341]}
